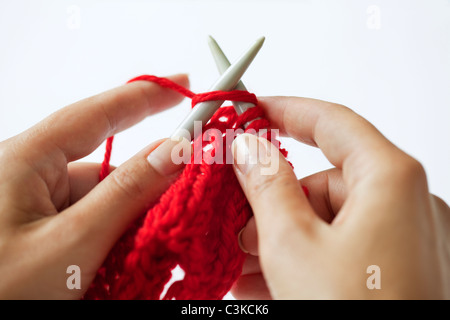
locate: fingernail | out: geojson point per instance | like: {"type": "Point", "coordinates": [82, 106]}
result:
{"type": "Point", "coordinates": [170, 156]}
{"type": "Point", "coordinates": [248, 151]}
{"type": "Point", "coordinates": [241, 246]}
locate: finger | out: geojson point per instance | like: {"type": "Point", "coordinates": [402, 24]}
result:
{"type": "Point", "coordinates": [251, 287]}
{"type": "Point", "coordinates": [442, 213]}
{"type": "Point", "coordinates": [327, 192]}
{"type": "Point", "coordinates": [248, 238]}
{"type": "Point", "coordinates": [273, 191]}
{"type": "Point", "coordinates": [83, 177]}
{"type": "Point", "coordinates": [326, 196]}
{"type": "Point", "coordinates": [98, 219]}
{"type": "Point", "coordinates": [346, 139]}
{"type": "Point", "coordinates": [80, 128]}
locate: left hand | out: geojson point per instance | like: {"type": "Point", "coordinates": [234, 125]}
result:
{"type": "Point", "coordinates": [55, 213]}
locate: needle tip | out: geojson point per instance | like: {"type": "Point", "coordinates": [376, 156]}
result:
{"type": "Point", "coordinates": [211, 39]}
{"type": "Point", "coordinates": [261, 40]}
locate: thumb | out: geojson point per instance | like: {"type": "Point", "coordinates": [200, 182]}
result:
{"type": "Point", "coordinates": [279, 205]}
{"type": "Point", "coordinates": [103, 215]}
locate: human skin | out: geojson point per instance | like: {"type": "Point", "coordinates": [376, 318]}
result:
{"type": "Point", "coordinates": [373, 208]}
{"type": "Point", "coordinates": [53, 212]}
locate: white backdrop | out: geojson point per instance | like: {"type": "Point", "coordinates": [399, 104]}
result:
{"type": "Point", "coordinates": [387, 59]}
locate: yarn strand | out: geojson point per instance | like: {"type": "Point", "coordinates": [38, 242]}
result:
{"type": "Point", "coordinates": [193, 225]}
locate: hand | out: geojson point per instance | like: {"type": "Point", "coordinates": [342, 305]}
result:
{"type": "Point", "coordinates": [373, 208]}
{"type": "Point", "coordinates": [54, 213]}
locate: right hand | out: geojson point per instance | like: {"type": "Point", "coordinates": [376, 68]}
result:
{"type": "Point", "coordinates": [373, 208]}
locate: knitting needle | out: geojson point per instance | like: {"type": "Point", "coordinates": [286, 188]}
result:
{"type": "Point", "coordinates": [227, 81]}
{"type": "Point", "coordinates": [223, 64]}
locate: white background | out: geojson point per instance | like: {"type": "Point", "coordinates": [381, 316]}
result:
{"type": "Point", "coordinates": [53, 53]}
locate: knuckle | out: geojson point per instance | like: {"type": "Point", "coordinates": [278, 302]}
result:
{"type": "Point", "coordinates": [110, 120]}
{"type": "Point", "coordinates": [440, 203]}
{"type": "Point", "coordinates": [127, 180]}
{"type": "Point", "coordinates": [404, 173]}
{"type": "Point", "coordinates": [342, 107]}
{"type": "Point", "coordinates": [416, 169]}
{"type": "Point", "coordinates": [408, 169]}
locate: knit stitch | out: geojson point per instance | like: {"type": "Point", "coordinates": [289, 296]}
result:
{"type": "Point", "coordinates": [194, 224]}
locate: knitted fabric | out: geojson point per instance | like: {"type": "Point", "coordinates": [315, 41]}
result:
{"type": "Point", "coordinates": [194, 224]}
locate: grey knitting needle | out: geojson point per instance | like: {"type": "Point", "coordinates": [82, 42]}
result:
{"type": "Point", "coordinates": [227, 81]}
{"type": "Point", "coordinates": [223, 64]}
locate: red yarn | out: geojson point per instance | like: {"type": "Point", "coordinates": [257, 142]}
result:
{"type": "Point", "coordinates": [194, 224]}
{"type": "Point", "coordinates": [104, 171]}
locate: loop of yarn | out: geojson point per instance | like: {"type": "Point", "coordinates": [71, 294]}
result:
{"type": "Point", "coordinates": [193, 225]}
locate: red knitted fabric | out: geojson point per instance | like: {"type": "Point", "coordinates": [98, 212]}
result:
{"type": "Point", "coordinates": [194, 224]}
